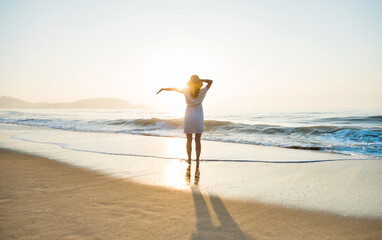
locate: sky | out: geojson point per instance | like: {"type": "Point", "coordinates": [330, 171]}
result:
{"type": "Point", "coordinates": [260, 54]}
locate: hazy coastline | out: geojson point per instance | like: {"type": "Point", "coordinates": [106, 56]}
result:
{"type": "Point", "coordinates": [92, 103]}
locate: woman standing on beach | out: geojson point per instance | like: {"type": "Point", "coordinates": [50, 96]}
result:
{"type": "Point", "coordinates": [193, 118]}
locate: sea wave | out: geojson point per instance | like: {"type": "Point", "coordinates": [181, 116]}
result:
{"type": "Point", "coordinates": [354, 119]}
{"type": "Point", "coordinates": [330, 136]}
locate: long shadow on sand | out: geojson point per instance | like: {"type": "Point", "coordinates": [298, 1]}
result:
{"type": "Point", "coordinates": [228, 228]}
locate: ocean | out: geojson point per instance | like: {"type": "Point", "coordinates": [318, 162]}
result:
{"type": "Point", "coordinates": [349, 132]}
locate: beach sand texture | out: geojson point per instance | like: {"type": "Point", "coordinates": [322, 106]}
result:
{"type": "Point", "coordinates": [44, 199]}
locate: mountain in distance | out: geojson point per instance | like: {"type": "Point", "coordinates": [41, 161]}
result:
{"type": "Point", "coordinates": [92, 103]}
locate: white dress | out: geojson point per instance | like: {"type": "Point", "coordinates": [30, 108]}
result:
{"type": "Point", "coordinates": [194, 118]}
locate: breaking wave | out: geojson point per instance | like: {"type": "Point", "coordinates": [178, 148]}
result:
{"type": "Point", "coordinates": [346, 135]}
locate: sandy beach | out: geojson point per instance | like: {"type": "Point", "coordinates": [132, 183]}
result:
{"type": "Point", "coordinates": [310, 180]}
{"type": "Point", "coordinates": [44, 199]}
{"type": "Point", "coordinates": [191, 120]}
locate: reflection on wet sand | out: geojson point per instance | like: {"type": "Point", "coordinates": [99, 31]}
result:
{"type": "Point", "coordinates": [188, 175]}
{"type": "Point", "coordinates": [196, 176]}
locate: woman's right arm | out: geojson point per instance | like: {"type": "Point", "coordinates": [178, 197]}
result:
{"type": "Point", "coordinates": [170, 89]}
{"type": "Point", "coordinates": [208, 81]}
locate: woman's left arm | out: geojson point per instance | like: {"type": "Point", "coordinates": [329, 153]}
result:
{"type": "Point", "coordinates": [208, 81]}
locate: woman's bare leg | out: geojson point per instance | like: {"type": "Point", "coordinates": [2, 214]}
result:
{"type": "Point", "coordinates": [198, 147]}
{"type": "Point", "coordinates": [189, 147]}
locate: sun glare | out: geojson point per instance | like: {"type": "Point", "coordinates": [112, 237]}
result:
{"type": "Point", "coordinates": [177, 110]}
{"type": "Point", "coordinates": [172, 66]}
{"type": "Point", "coordinates": [176, 148]}
{"type": "Point", "coordinates": [175, 173]}
{"type": "Point", "coordinates": [175, 170]}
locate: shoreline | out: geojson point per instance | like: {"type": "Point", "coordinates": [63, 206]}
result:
{"type": "Point", "coordinates": [45, 199]}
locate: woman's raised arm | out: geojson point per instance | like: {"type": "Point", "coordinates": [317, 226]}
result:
{"type": "Point", "coordinates": [170, 89]}
{"type": "Point", "coordinates": [208, 81]}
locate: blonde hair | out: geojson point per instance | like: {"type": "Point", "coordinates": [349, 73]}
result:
{"type": "Point", "coordinates": [195, 85]}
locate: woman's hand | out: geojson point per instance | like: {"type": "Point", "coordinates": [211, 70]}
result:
{"type": "Point", "coordinates": [208, 81]}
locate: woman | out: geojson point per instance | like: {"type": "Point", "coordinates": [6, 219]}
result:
{"type": "Point", "coordinates": [193, 118]}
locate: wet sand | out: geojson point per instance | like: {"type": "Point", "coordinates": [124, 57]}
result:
{"type": "Point", "coordinates": [44, 199]}
{"type": "Point", "coordinates": [311, 180]}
